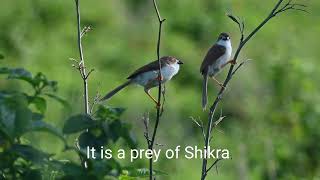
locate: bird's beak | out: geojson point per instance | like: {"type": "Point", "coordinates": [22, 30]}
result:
{"type": "Point", "coordinates": [180, 62]}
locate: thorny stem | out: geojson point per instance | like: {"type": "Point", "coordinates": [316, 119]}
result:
{"type": "Point", "coordinates": [242, 43]}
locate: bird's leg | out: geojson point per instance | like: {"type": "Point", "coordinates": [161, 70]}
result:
{"type": "Point", "coordinates": [159, 78]}
{"type": "Point", "coordinates": [220, 84]}
{"type": "Point", "coordinates": [232, 61]}
{"type": "Point", "coordinates": [155, 101]}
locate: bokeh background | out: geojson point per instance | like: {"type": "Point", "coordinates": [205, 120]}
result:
{"type": "Point", "coordinates": [271, 106]}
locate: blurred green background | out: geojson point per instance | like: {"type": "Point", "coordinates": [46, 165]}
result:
{"type": "Point", "coordinates": [272, 106]}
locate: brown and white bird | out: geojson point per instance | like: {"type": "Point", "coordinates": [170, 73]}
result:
{"type": "Point", "coordinates": [148, 76]}
{"type": "Point", "coordinates": [216, 58]}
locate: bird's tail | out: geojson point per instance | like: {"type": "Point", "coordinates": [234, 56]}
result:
{"type": "Point", "coordinates": [113, 92]}
{"type": "Point", "coordinates": [204, 91]}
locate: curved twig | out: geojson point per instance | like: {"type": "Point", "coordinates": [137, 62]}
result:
{"type": "Point", "coordinates": [276, 10]}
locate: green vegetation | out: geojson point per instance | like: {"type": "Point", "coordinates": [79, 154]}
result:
{"type": "Point", "coordinates": [272, 106]}
{"type": "Point", "coordinates": [20, 160]}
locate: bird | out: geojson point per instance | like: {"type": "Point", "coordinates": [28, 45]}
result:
{"type": "Point", "coordinates": [148, 77]}
{"type": "Point", "coordinates": [217, 57]}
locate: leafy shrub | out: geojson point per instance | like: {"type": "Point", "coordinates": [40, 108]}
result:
{"type": "Point", "coordinates": [22, 161]}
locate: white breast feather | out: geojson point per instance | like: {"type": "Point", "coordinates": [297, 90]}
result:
{"type": "Point", "coordinates": [216, 67]}
{"type": "Point", "coordinates": [167, 73]}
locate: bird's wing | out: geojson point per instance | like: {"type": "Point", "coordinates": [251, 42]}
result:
{"type": "Point", "coordinates": [153, 66]}
{"type": "Point", "coordinates": [213, 54]}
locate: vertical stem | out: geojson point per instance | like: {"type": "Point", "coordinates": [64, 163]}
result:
{"type": "Point", "coordinates": [151, 143]}
{"type": "Point", "coordinates": [82, 64]}
{"type": "Point", "coordinates": [159, 93]}
{"type": "Point", "coordinates": [83, 74]}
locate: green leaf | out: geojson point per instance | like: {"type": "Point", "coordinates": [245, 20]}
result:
{"type": "Point", "coordinates": [108, 113]}
{"type": "Point", "coordinates": [31, 154]}
{"type": "Point", "coordinates": [40, 103]}
{"type": "Point", "coordinates": [118, 129]}
{"type": "Point", "coordinates": [1, 56]}
{"type": "Point", "coordinates": [78, 123]}
{"type": "Point", "coordinates": [43, 126]}
{"type": "Point", "coordinates": [17, 73]}
{"type": "Point", "coordinates": [110, 164]}
{"type": "Point", "coordinates": [88, 139]}
{"type": "Point", "coordinates": [53, 85]}
{"type": "Point", "coordinates": [60, 100]}
{"type": "Point", "coordinates": [126, 177]}
{"type": "Point", "coordinates": [141, 173]}
{"type": "Point", "coordinates": [4, 70]}
{"type": "Point", "coordinates": [97, 171]}
{"type": "Point", "coordinates": [40, 80]}
{"type": "Point", "coordinates": [7, 119]}
{"type": "Point", "coordinates": [21, 74]}
{"type": "Point", "coordinates": [233, 18]}
{"type": "Point", "coordinates": [37, 116]}
{"type": "Point", "coordinates": [112, 126]}
{"type": "Point", "coordinates": [68, 168]}
{"type": "Point", "coordinates": [33, 174]}
{"type": "Point", "coordinates": [93, 138]}
{"type": "Point", "coordinates": [15, 115]}
{"type": "Point", "coordinates": [4, 143]}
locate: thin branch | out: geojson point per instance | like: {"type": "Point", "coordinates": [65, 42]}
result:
{"type": "Point", "coordinates": [240, 65]}
{"type": "Point", "coordinates": [146, 126]}
{"type": "Point", "coordinates": [216, 123]}
{"type": "Point", "coordinates": [292, 6]}
{"type": "Point", "coordinates": [276, 10]}
{"type": "Point", "coordinates": [82, 66]}
{"type": "Point", "coordinates": [160, 75]}
{"type": "Point", "coordinates": [163, 99]}
{"type": "Point", "coordinates": [201, 126]}
{"type": "Point", "coordinates": [82, 70]}
{"type": "Point", "coordinates": [195, 121]}
{"type": "Point", "coordinates": [85, 30]}
{"type": "Point", "coordinates": [96, 100]}
{"type": "Point", "coordinates": [157, 11]}
{"type": "Point", "coordinates": [214, 163]}
{"type": "Point", "coordinates": [91, 70]}
{"type": "Point", "coordinates": [160, 106]}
